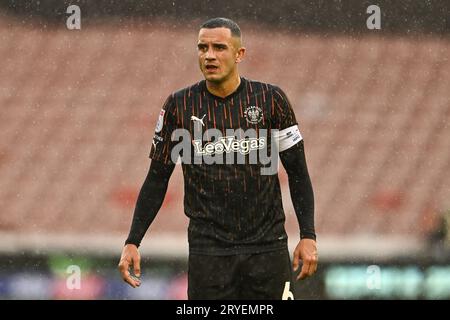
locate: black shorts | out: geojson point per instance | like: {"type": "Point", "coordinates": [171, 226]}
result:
{"type": "Point", "coordinates": [245, 276]}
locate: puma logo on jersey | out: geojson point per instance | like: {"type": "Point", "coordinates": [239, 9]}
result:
{"type": "Point", "coordinates": [156, 140]}
{"type": "Point", "coordinates": [195, 119]}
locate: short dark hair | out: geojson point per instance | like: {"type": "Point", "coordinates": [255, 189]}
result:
{"type": "Point", "coordinates": [223, 23]}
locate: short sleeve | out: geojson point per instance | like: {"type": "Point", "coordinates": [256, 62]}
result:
{"type": "Point", "coordinates": [284, 121]}
{"type": "Point", "coordinates": [162, 143]}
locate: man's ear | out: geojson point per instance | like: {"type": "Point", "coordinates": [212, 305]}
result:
{"type": "Point", "coordinates": [240, 54]}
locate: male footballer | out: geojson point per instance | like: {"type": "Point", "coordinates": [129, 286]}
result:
{"type": "Point", "coordinates": [237, 239]}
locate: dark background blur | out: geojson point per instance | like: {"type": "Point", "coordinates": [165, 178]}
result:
{"type": "Point", "coordinates": [329, 17]}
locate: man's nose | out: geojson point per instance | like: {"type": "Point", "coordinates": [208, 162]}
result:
{"type": "Point", "coordinates": [210, 54]}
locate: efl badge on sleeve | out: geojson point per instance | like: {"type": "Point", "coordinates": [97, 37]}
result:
{"type": "Point", "coordinates": [160, 123]}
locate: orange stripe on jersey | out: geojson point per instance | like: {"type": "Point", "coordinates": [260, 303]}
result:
{"type": "Point", "coordinates": [181, 113]}
{"type": "Point", "coordinates": [177, 114]}
{"type": "Point", "coordinates": [164, 150]}
{"type": "Point", "coordinates": [280, 109]}
{"type": "Point", "coordinates": [240, 107]}
{"type": "Point", "coordinates": [239, 117]}
{"type": "Point", "coordinates": [257, 104]}
{"type": "Point", "coordinates": [273, 106]}
{"type": "Point", "coordinates": [193, 111]}
{"type": "Point", "coordinates": [214, 116]}
{"type": "Point", "coordinates": [264, 92]}
{"type": "Point", "coordinates": [209, 109]}
{"type": "Point", "coordinates": [166, 158]}
{"type": "Point", "coordinates": [231, 116]}
{"type": "Point", "coordinates": [223, 126]}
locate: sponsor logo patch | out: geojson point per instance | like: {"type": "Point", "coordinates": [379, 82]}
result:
{"type": "Point", "coordinates": [229, 144]}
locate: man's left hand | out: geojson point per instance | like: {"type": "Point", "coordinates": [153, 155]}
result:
{"type": "Point", "coordinates": [306, 251]}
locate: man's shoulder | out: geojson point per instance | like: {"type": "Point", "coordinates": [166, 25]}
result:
{"type": "Point", "coordinates": [266, 85]}
{"type": "Point", "coordinates": [187, 91]}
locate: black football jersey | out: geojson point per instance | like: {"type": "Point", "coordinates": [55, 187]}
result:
{"type": "Point", "coordinates": [225, 146]}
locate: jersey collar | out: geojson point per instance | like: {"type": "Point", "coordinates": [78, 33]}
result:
{"type": "Point", "coordinates": [228, 97]}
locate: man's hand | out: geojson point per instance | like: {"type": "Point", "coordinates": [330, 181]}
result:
{"type": "Point", "coordinates": [130, 258]}
{"type": "Point", "coordinates": [306, 251]}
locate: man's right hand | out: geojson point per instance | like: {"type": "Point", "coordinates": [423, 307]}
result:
{"type": "Point", "coordinates": [130, 258]}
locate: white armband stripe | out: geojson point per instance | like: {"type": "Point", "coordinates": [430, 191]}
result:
{"type": "Point", "coordinates": [287, 138]}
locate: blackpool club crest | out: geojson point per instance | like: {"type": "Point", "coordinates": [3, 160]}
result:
{"type": "Point", "coordinates": [253, 114]}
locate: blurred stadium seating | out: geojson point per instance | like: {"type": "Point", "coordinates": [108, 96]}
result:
{"type": "Point", "coordinates": [78, 111]}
